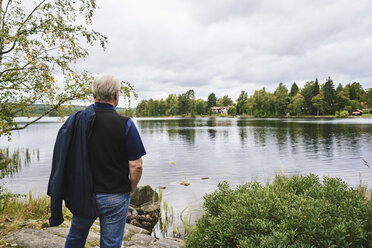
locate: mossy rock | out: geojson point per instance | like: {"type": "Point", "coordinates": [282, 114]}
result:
{"type": "Point", "coordinates": [143, 196]}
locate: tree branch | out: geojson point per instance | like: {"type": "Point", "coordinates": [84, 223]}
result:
{"type": "Point", "coordinates": [30, 15]}
{"type": "Point", "coordinates": [19, 32]}
{"type": "Point", "coordinates": [5, 11]}
{"type": "Point", "coordinates": [15, 69]}
{"type": "Point", "coordinates": [41, 116]}
{"type": "Point", "coordinates": [23, 67]}
{"type": "Point", "coordinates": [28, 105]}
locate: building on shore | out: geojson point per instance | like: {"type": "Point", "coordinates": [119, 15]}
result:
{"type": "Point", "coordinates": [220, 110]}
{"type": "Point", "coordinates": [357, 112]}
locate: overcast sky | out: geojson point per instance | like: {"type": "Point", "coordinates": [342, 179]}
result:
{"type": "Point", "coordinates": [225, 46]}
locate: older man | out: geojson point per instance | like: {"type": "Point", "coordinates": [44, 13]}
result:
{"type": "Point", "coordinates": [96, 167]}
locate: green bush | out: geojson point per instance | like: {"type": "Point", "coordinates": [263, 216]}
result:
{"type": "Point", "coordinates": [348, 109]}
{"type": "Point", "coordinates": [344, 114]}
{"type": "Point", "coordinates": [232, 110]}
{"type": "Point", "coordinates": [291, 212]}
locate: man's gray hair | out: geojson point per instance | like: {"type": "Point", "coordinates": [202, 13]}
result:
{"type": "Point", "coordinates": [104, 87]}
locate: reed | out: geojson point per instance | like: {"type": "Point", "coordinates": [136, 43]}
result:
{"type": "Point", "coordinates": [171, 223]}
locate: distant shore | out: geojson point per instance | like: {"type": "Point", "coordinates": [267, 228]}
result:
{"type": "Point", "coordinates": [253, 117]}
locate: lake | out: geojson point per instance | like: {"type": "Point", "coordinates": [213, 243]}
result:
{"type": "Point", "coordinates": [234, 149]}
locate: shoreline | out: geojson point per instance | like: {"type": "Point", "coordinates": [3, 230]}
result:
{"type": "Point", "coordinates": [253, 117]}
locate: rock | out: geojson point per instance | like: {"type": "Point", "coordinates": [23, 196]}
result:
{"type": "Point", "coordinates": [140, 240]}
{"type": "Point", "coordinates": [143, 195]}
{"type": "Point", "coordinates": [54, 237]}
{"type": "Point", "coordinates": [63, 232]}
{"type": "Point", "coordinates": [184, 182]}
{"type": "Point", "coordinates": [32, 238]}
{"type": "Point", "coordinates": [131, 230]}
{"type": "Point", "coordinates": [168, 243]}
{"type": "Point", "coordinates": [144, 208]}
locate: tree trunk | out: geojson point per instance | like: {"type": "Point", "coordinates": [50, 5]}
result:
{"type": "Point", "coordinates": [1, 21]}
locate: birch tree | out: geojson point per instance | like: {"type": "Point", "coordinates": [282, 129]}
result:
{"type": "Point", "coordinates": [41, 43]}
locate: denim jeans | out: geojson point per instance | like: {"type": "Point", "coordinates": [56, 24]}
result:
{"type": "Point", "coordinates": [112, 210]}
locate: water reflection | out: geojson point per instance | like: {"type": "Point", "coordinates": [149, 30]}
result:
{"type": "Point", "coordinates": [310, 135]}
{"type": "Point", "coordinates": [237, 150]}
{"type": "Point", "coordinates": [310, 138]}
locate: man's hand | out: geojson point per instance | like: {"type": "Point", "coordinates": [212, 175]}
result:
{"type": "Point", "coordinates": [135, 172]}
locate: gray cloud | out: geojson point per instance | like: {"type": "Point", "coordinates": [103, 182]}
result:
{"type": "Point", "coordinates": [224, 47]}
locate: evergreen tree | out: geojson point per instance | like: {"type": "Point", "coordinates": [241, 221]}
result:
{"type": "Point", "coordinates": [329, 96]}
{"type": "Point", "coordinates": [294, 90]}
{"type": "Point", "coordinates": [339, 88]}
{"type": "Point", "coordinates": [212, 100]}
{"type": "Point", "coordinates": [316, 87]}
{"type": "Point", "coordinates": [356, 91]}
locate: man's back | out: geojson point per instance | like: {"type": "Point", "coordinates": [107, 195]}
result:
{"type": "Point", "coordinates": [107, 152]}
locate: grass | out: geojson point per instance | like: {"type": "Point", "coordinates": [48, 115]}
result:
{"type": "Point", "coordinates": [20, 211]}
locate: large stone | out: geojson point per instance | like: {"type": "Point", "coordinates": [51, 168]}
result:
{"type": "Point", "coordinates": [140, 240]}
{"type": "Point", "coordinates": [32, 238]}
{"type": "Point", "coordinates": [143, 195]}
{"type": "Point", "coordinates": [131, 230]}
{"type": "Point", "coordinates": [145, 208]}
{"type": "Point", "coordinates": [168, 243]}
{"type": "Point", "coordinates": [63, 232]}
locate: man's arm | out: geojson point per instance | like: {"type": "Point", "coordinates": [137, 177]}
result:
{"type": "Point", "coordinates": [135, 172]}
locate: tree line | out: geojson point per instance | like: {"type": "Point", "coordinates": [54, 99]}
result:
{"type": "Point", "coordinates": [312, 99]}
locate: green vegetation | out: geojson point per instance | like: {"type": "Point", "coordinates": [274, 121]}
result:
{"type": "Point", "coordinates": [40, 43]}
{"type": "Point", "coordinates": [312, 100]}
{"type": "Point", "coordinates": [39, 109]}
{"type": "Point", "coordinates": [300, 211]}
{"type": "Point", "coordinates": [344, 114]}
{"type": "Point", "coordinates": [21, 211]}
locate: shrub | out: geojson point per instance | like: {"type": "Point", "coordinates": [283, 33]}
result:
{"type": "Point", "coordinates": [291, 212]}
{"type": "Point", "coordinates": [344, 114]}
{"type": "Point", "coordinates": [348, 109]}
{"type": "Point", "coordinates": [232, 110]}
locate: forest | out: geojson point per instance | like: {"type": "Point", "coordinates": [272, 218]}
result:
{"type": "Point", "coordinates": [313, 99]}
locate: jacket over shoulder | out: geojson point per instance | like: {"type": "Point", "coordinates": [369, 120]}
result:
{"type": "Point", "coordinates": [71, 178]}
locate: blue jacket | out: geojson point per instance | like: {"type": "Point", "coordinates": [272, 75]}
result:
{"type": "Point", "coordinates": [71, 178]}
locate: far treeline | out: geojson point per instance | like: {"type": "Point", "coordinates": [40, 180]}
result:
{"type": "Point", "coordinates": [312, 99]}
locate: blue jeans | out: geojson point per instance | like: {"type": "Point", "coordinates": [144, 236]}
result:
{"type": "Point", "coordinates": [112, 210]}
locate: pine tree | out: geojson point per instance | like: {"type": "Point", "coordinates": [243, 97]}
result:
{"type": "Point", "coordinates": [294, 90]}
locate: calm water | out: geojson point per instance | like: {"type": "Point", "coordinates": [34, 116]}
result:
{"type": "Point", "coordinates": [237, 150]}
